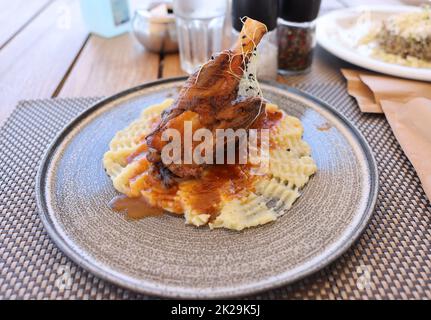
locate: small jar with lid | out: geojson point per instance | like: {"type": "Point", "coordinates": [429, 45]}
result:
{"type": "Point", "coordinates": [296, 35]}
{"type": "Point", "coordinates": [265, 11]}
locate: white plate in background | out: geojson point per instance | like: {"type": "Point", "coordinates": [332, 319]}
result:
{"type": "Point", "coordinates": [334, 33]}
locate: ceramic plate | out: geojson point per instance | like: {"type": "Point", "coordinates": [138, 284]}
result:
{"type": "Point", "coordinates": [335, 34]}
{"type": "Point", "coordinates": [163, 256]}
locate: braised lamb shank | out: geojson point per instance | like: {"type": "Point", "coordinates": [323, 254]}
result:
{"type": "Point", "coordinates": [210, 99]}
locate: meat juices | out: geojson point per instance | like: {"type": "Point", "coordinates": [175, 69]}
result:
{"type": "Point", "coordinates": [211, 93]}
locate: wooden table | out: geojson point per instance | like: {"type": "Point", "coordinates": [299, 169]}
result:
{"type": "Point", "coordinates": [47, 52]}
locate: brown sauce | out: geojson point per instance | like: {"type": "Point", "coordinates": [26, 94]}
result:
{"type": "Point", "coordinates": [139, 152]}
{"type": "Point", "coordinates": [134, 208]}
{"type": "Point", "coordinates": [228, 180]}
{"type": "Point", "coordinates": [267, 120]}
{"type": "Point", "coordinates": [204, 194]}
{"type": "Point", "coordinates": [324, 127]}
{"type": "Point", "coordinates": [218, 180]}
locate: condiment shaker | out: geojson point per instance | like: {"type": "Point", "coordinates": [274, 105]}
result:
{"type": "Point", "coordinates": [265, 11]}
{"type": "Point", "coordinates": [296, 35]}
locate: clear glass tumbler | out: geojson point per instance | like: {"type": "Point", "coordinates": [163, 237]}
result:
{"type": "Point", "coordinates": [200, 30]}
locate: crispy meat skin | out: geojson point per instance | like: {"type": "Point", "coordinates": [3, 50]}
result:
{"type": "Point", "coordinates": [211, 93]}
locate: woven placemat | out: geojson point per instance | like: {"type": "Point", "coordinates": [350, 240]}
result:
{"type": "Point", "coordinates": [392, 259]}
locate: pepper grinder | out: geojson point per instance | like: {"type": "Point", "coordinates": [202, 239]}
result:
{"type": "Point", "coordinates": [296, 35]}
{"type": "Point", "coordinates": [265, 11]}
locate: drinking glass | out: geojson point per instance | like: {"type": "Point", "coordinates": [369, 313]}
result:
{"type": "Point", "coordinates": [200, 30]}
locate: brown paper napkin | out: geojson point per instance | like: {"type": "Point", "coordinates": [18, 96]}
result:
{"type": "Point", "coordinates": [407, 107]}
{"type": "Point", "coordinates": [362, 93]}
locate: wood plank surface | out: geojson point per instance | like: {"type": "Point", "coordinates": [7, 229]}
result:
{"type": "Point", "coordinates": [45, 51]}
{"type": "Point", "coordinates": [107, 66]}
{"type": "Point", "coordinates": [15, 14]}
{"type": "Point", "coordinates": [33, 64]}
{"type": "Point", "coordinates": [171, 66]}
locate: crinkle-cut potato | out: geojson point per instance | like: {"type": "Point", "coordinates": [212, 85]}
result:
{"type": "Point", "coordinates": [238, 214]}
{"type": "Point", "coordinates": [125, 143]}
{"type": "Point", "coordinates": [290, 167]}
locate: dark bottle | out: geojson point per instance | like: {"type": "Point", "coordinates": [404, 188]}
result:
{"type": "Point", "coordinates": [296, 35]}
{"type": "Point", "coordinates": [265, 11]}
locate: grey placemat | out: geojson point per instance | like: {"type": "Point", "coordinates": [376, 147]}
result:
{"type": "Point", "coordinates": [392, 259]}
